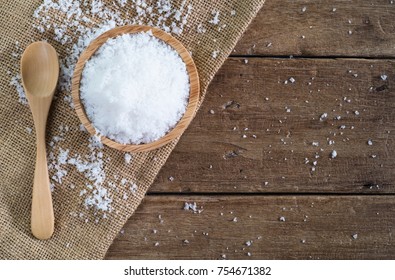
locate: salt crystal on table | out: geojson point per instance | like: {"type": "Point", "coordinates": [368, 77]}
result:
{"type": "Point", "coordinates": [323, 116]}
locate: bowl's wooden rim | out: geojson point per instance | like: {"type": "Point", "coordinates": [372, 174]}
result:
{"type": "Point", "coordinates": [193, 83]}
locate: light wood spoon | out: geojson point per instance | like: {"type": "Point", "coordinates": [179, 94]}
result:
{"type": "Point", "coordinates": [40, 72]}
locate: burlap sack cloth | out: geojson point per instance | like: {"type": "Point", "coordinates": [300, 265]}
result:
{"type": "Point", "coordinates": [74, 238]}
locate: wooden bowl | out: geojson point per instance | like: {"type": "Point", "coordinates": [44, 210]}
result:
{"type": "Point", "coordinates": [193, 84]}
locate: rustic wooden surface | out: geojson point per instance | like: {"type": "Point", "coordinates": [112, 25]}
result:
{"type": "Point", "coordinates": [344, 209]}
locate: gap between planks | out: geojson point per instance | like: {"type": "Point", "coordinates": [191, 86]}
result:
{"type": "Point", "coordinates": [268, 194]}
{"type": "Point", "coordinates": [263, 56]}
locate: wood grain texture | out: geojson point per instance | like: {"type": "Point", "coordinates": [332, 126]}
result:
{"type": "Point", "coordinates": [363, 100]}
{"type": "Point", "coordinates": [282, 28]}
{"type": "Point", "coordinates": [342, 210]}
{"type": "Point", "coordinates": [331, 227]}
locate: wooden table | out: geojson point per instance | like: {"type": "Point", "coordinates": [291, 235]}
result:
{"type": "Point", "coordinates": [257, 159]}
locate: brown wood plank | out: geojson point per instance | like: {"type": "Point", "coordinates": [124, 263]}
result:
{"type": "Point", "coordinates": [328, 227]}
{"type": "Point", "coordinates": [350, 88]}
{"type": "Point", "coordinates": [357, 28]}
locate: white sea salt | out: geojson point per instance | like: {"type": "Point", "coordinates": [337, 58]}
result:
{"type": "Point", "coordinates": [135, 88]}
{"type": "Point", "coordinates": [190, 206]}
{"type": "Point", "coordinates": [88, 19]}
{"type": "Point", "coordinates": [200, 28]}
{"type": "Point", "coordinates": [16, 81]}
{"type": "Point", "coordinates": [323, 116]}
{"type": "Point", "coordinates": [128, 158]}
{"type": "Point", "coordinates": [333, 154]}
{"type": "Point", "coordinates": [214, 54]}
{"type": "Point", "coordinates": [215, 20]}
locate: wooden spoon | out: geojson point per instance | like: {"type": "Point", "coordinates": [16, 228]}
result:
{"type": "Point", "coordinates": [40, 72]}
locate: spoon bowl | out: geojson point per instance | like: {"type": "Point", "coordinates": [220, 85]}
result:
{"type": "Point", "coordinates": [40, 72]}
{"type": "Point", "coordinates": [40, 69]}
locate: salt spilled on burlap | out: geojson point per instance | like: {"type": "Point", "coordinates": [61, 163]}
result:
{"type": "Point", "coordinates": [135, 88]}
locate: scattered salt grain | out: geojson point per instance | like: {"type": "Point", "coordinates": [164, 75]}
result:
{"type": "Point", "coordinates": [333, 154]}
{"type": "Point", "coordinates": [133, 188]}
{"type": "Point", "coordinates": [355, 236]}
{"type": "Point", "coordinates": [370, 142]}
{"type": "Point", "coordinates": [29, 130]}
{"type": "Point", "coordinates": [16, 81]}
{"type": "Point", "coordinates": [128, 158]}
{"type": "Point", "coordinates": [215, 19]}
{"type": "Point", "coordinates": [214, 54]}
{"type": "Point", "coordinates": [323, 116]}
{"type": "Point", "coordinates": [191, 206]}
{"type": "Point", "coordinates": [282, 219]}
{"type": "Point", "coordinates": [384, 77]}
{"type": "Point", "coordinates": [200, 28]}
{"type": "Point", "coordinates": [135, 109]}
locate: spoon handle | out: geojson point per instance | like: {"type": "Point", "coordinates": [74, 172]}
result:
{"type": "Point", "coordinates": [42, 219]}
